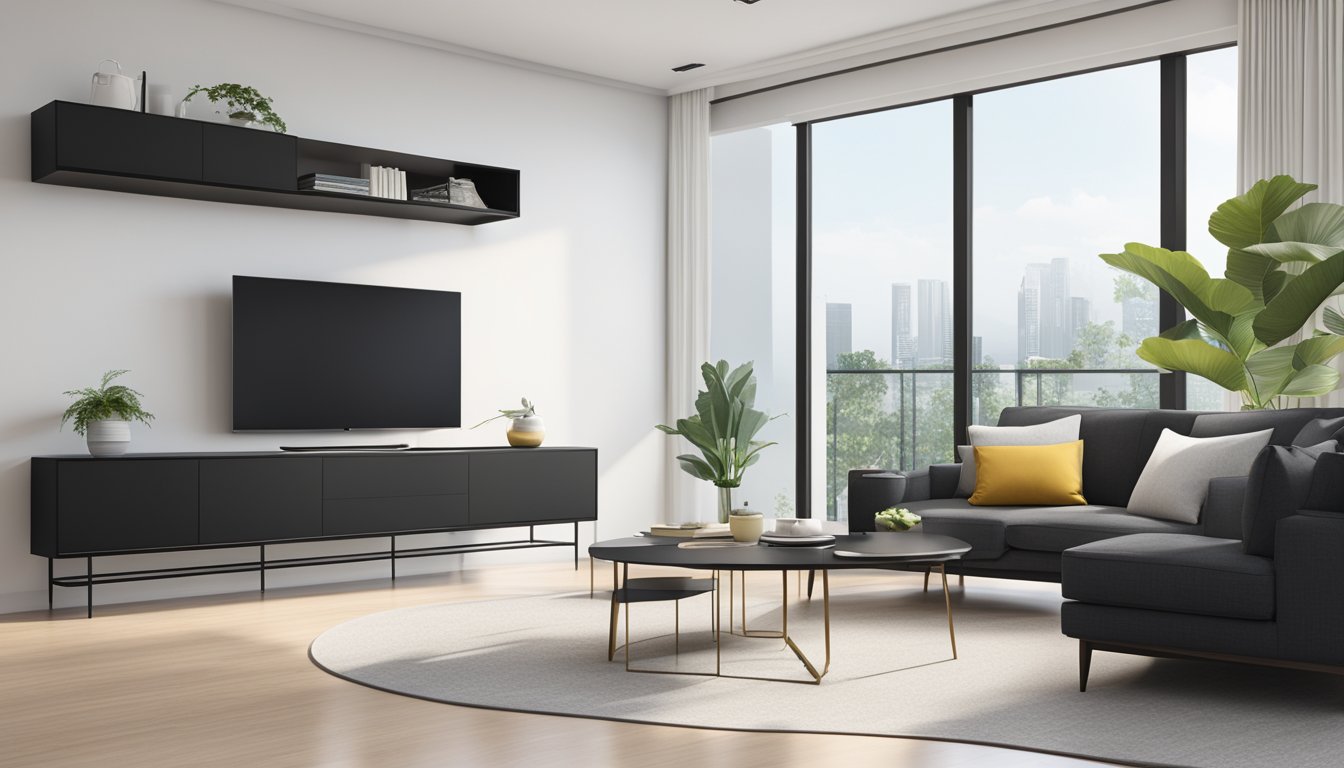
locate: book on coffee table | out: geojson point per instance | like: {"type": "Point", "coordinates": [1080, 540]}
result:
{"type": "Point", "coordinates": [691, 530]}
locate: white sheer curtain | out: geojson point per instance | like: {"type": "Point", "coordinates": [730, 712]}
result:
{"type": "Point", "coordinates": [1291, 120]}
{"type": "Point", "coordinates": [687, 286]}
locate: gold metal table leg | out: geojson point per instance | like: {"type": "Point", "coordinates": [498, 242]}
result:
{"type": "Point", "coordinates": [826, 623]}
{"type": "Point", "coordinates": [947, 600]}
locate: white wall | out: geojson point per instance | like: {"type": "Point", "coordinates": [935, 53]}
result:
{"type": "Point", "coordinates": [564, 305]}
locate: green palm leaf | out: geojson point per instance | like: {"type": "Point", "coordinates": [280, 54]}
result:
{"type": "Point", "coordinates": [1297, 302]}
{"type": "Point", "coordinates": [1243, 220]}
{"type": "Point", "coordinates": [1198, 357]}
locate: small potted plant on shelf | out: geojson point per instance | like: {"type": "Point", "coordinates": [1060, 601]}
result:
{"type": "Point", "coordinates": [723, 429]}
{"type": "Point", "coordinates": [896, 519]}
{"type": "Point", "coordinates": [243, 104]}
{"type": "Point", "coordinates": [527, 429]}
{"type": "Point", "coordinates": [103, 415]}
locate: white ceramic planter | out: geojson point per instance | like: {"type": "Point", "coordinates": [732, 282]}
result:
{"type": "Point", "coordinates": [527, 432]}
{"type": "Point", "coordinates": [109, 437]}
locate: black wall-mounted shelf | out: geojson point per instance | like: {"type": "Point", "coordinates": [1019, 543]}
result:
{"type": "Point", "coordinates": [78, 145]}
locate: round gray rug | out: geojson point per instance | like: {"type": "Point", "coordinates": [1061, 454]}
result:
{"type": "Point", "coordinates": [1015, 683]}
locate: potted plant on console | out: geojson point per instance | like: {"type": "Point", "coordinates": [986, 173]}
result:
{"type": "Point", "coordinates": [103, 414]}
{"type": "Point", "coordinates": [527, 429]}
{"type": "Point", "coordinates": [724, 429]}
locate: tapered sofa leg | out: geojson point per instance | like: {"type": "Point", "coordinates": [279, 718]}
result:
{"type": "Point", "coordinates": [1084, 663]}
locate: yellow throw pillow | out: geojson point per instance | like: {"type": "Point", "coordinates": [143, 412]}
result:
{"type": "Point", "coordinates": [1029, 474]}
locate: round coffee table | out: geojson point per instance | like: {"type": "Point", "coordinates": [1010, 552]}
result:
{"type": "Point", "coordinates": [859, 550]}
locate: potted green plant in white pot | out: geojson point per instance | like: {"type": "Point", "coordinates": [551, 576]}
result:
{"type": "Point", "coordinates": [103, 415]}
{"type": "Point", "coordinates": [723, 429]}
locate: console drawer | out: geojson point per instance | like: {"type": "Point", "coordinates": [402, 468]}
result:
{"type": "Point", "coordinates": [345, 517]}
{"type": "Point", "coordinates": [361, 477]}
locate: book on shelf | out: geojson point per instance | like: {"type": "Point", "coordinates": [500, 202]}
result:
{"type": "Point", "coordinates": [331, 178]}
{"type": "Point", "coordinates": [691, 530]}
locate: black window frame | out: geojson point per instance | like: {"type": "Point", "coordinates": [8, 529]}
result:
{"type": "Point", "coordinates": [1172, 213]}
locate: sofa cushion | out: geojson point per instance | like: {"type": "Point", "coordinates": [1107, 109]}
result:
{"type": "Point", "coordinates": [1327, 484]}
{"type": "Point", "coordinates": [1118, 442]}
{"type": "Point", "coordinates": [1317, 431]}
{"type": "Point", "coordinates": [1029, 474]}
{"type": "Point", "coordinates": [1063, 430]}
{"type": "Point", "coordinates": [1176, 478]}
{"type": "Point", "coordinates": [1277, 487]}
{"type": "Point", "coordinates": [981, 527]}
{"type": "Point", "coordinates": [1055, 529]}
{"type": "Point", "coordinates": [1286, 423]}
{"type": "Point", "coordinates": [1171, 572]}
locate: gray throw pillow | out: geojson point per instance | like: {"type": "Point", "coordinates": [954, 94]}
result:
{"type": "Point", "coordinates": [1317, 431]}
{"type": "Point", "coordinates": [1063, 430]}
{"type": "Point", "coordinates": [1176, 478]}
{"type": "Point", "coordinates": [1327, 484]}
{"type": "Point", "coordinates": [1277, 487]}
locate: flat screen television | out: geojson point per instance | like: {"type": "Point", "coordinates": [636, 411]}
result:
{"type": "Point", "coordinates": [333, 356]}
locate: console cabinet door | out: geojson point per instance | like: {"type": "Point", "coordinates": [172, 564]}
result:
{"type": "Point", "coordinates": [245, 500]}
{"type": "Point", "coordinates": [248, 157]}
{"type": "Point", "coordinates": [130, 143]}
{"type": "Point", "coordinates": [126, 504]}
{"type": "Point", "coordinates": [522, 486]}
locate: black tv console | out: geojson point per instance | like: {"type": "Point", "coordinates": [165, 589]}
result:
{"type": "Point", "coordinates": [86, 507]}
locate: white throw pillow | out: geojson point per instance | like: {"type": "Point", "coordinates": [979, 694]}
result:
{"type": "Point", "coordinates": [1176, 477]}
{"type": "Point", "coordinates": [1063, 430]}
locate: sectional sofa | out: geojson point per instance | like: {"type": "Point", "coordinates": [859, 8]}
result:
{"type": "Point", "coordinates": [1136, 584]}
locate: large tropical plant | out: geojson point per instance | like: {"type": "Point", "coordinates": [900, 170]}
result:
{"type": "Point", "coordinates": [1282, 266]}
{"type": "Point", "coordinates": [723, 428]}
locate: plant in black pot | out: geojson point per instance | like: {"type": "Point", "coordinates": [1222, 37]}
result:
{"type": "Point", "coordinates": [243, 104]}
{"type": "Point", "coordinates": [103, 414]}
{"type": "Point", "coordinates": [724, 428]}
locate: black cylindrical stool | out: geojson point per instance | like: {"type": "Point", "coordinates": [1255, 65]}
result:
{"type": "Point", "coordinates": [870, 492]}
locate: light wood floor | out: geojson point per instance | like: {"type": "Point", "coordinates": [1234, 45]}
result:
{"type": "Point", "coordinates": [226, 681]}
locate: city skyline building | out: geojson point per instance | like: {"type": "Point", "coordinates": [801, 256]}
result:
{"type": "Point", "coordinates": [933, 344]}
{"type": "Point", "coordinates": [902, 340]}
{"type": "Point", "coordinates": [839, 332]}
{"type": "Point", "coordinates": [1046, 327]}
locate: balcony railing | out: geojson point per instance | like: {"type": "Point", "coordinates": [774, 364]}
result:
{"type": "Point", "coordinates": [903, 418]}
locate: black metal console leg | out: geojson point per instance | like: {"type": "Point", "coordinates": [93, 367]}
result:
{"type": "Point", "coordinates": [394, 557]}
{"type": "Point", "coordinates": [262, 570]}
{"type": "Point", "coordinates": [89, 570]}
{"type": "Point", "coordinates": [811, 579]}
{"type": "Point", "coordinates": [576, 546]}
{"type": "Point", "coordinates": [51, 574]}
{"type": "Point", "coordinates": [1084, 663]}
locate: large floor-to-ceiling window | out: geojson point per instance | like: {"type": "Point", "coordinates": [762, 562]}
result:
{"type": "Point", "coordinates": [948, 260]}
{"type": "Point", "coordinates": [1211, 178]}
{"type": "Point", "coordinates": [1064, 170]}
{"type": "Point", "coordinates": [881, 291]}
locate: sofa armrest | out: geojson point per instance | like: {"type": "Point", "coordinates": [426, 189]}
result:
{"type": "Point", "coordinates": [1309, 586]}
{"type": "Point", "coordinates": [943, 479]}
{"type": "Point", "coordinates": [1221, 516]}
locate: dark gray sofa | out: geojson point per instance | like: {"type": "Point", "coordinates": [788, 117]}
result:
{"type": "Point", "coordinates": [1027, 542]}
{"type": "Point", "coordinates": [1157, 587]}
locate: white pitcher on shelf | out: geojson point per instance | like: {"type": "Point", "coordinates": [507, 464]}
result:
{"type": "Point", "coordinates": [113, 89]}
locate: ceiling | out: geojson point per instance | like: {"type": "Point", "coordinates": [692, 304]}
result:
{"type": "Point", "coordinates": [632, 41]}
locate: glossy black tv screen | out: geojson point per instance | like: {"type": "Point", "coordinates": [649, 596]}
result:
{"type": "Point", "coordinates": [312, 355]}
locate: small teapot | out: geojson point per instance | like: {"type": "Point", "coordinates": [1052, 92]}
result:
{"type": "Point", "coordinates": [113, 89]}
